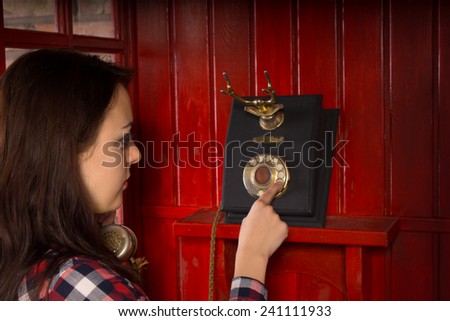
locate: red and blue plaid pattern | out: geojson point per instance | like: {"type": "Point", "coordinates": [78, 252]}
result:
{"type": "Point", "coordinates": [247, 289]}
{"type": "Point", "coordinates": [82, 279]}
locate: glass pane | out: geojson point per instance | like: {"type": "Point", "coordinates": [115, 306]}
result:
{"type": "Point", "coordinates": [106, 57]}
{"type": "Point", "coordinates": [30, 15]}
{"type": "Point", "coordinates": [93, 18]}
{"type": "Point", "coordinates": [14, 53]}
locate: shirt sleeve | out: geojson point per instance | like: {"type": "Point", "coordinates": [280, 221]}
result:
{"type": "Point", "coordinates": [83, 279]}
{"type": "Point", "coordinates": [247, 289]}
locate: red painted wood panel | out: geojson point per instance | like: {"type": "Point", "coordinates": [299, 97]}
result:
{"type": "Point", "coordinates": [444, 267]}
{"type": "Point", "coordinates": [191, 68]}
{"type": "Point", "coordinates": [444, 145]}
{"type": "Point", "coordinates": [412, 267]}
{"type": "Point", "coordinates": [362, 114]}
{"type": "Point", "coordinates": [354, 272]}
{"type": "Point", "coordinates": [160, 248]}
{"type": "Point", "coordinates": [273, 45]}
{"type": "Point", "coordinates": [412, 108]}
{"type": "Point", "coordinates": [317, 54]}
{"type": "Point", "coordinates": [161, 274]}
{"type": "Point", "coordinates": [155, 116]}
{"type": "Point", "coordinates": [444, 109]}
{"type": "Point", "coordinates": [317, 50]}
{"type": "Point", "coordinates": [231, 52]}
{"type": "Point", "coordinates": [283, 293]}
{"type": "Point", "coordinates": [155, 125]}
{"type": "Point", "coordinates": [376, 274]}
{"type": "Point", "coordinates": [317, 264]}
{"type": "Point", "coordinates": [194, 261]}
{"type": "Point", "coordinates": [313, 272]}
{"type": "Point", "coordinates": [384, 63]}
{"type": "Point", "coordinates": [302, 287]}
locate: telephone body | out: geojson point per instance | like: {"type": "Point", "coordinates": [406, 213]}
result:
{"type": "Point", "coordinates": [297, 152]}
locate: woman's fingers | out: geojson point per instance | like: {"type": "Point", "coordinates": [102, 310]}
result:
{"type": "Point", "coordinates": [270, 193]}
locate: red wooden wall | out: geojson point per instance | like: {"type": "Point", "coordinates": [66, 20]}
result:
{"type": "Point", "coordinates": [385, 64]}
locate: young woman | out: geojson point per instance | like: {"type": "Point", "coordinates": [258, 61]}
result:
{"type": "Point", "coordinates": [59, 110]}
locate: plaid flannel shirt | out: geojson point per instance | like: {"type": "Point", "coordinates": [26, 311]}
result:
{"type": "Point", "coordinates": [84, 279]}
{"type": "Point", "coordinates": [81, 279]}
{"type": "Point", "coordinates": [247, 289]}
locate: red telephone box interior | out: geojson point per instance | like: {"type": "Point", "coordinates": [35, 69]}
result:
{"type": "Point", "coordinates": [384, 63]}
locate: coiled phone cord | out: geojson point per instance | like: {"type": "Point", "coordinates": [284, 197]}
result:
{"type": "Point", "coordinates": [212, 254]}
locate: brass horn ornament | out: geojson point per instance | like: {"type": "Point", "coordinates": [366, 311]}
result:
{"type": "Point", "coordinates": [270, 114]}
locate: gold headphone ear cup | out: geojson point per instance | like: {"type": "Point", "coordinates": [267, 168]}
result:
{"type": "Point", "coordinates": [120, 240]}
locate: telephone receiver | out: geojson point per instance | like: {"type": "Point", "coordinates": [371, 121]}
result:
{"type": "Point", "coordinates": [120, 240]}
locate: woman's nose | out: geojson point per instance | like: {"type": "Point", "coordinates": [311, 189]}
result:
{"type": "Point", "coordinates": [134, 155]}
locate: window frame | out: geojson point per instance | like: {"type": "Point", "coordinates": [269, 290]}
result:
{"type": "Point", "coordinates": [120, 45]}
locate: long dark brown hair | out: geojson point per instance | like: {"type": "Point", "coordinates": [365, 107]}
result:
{"type": "Point", "coordinates": [53, 102]}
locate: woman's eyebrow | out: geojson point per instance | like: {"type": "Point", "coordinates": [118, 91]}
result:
{"type": "Point", "coordinates": [130, 124]}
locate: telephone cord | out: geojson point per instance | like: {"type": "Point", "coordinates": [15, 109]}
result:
{"type": "Point", "coordinates": [212, 252]}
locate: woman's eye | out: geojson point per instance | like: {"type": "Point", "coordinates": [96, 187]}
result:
{"type": "Point", "coordinates": [126, 140]}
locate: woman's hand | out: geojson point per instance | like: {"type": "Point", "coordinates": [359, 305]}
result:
{"type": "Point", "coordinates": [262, 232]}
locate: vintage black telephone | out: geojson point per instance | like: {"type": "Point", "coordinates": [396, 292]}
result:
{"type": "Point", "coordinates": [281, 138]}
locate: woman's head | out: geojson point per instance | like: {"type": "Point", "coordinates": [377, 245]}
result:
{"type": "Point", "coordinates": [105, 165]}
{"type": "Point", "coordinates": [57, 110]}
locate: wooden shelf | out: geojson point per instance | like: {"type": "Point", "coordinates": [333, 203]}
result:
{"type": "Point", "coordinates": [342, 230]}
